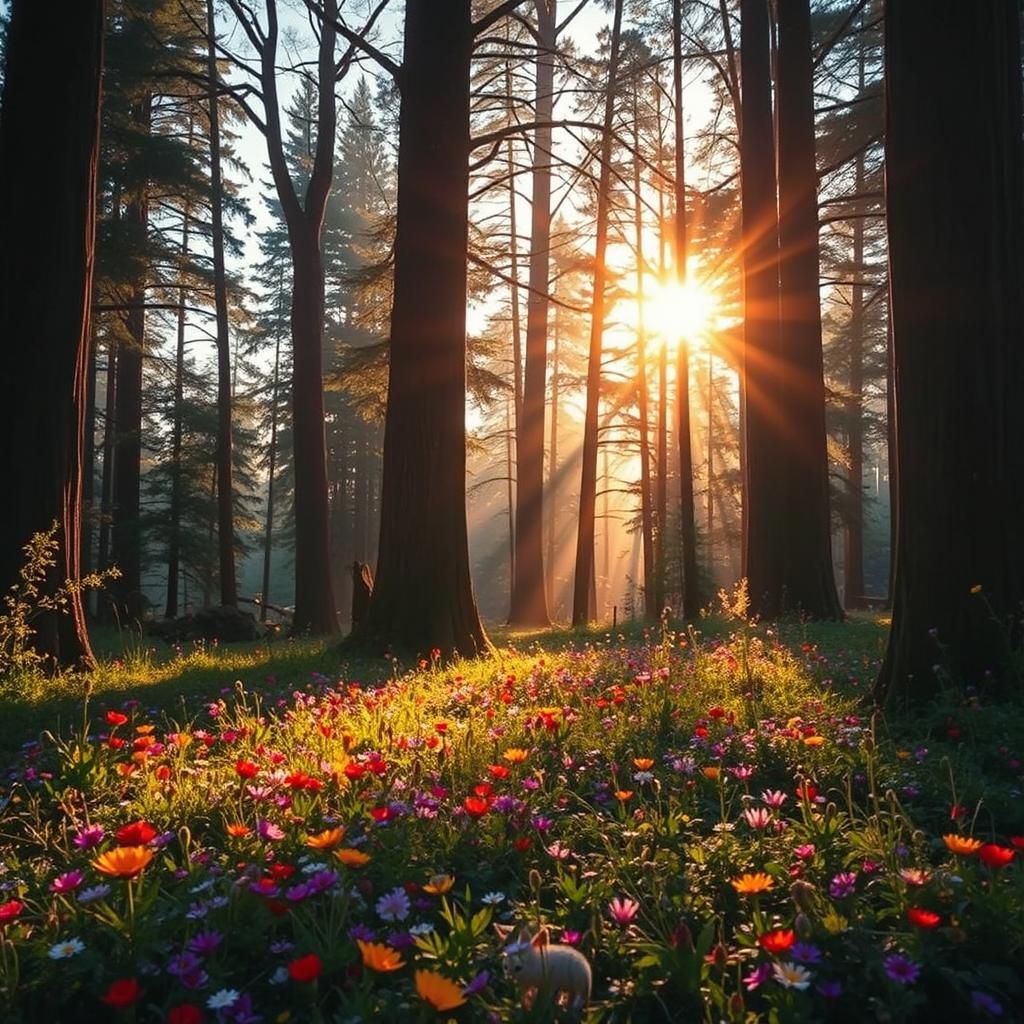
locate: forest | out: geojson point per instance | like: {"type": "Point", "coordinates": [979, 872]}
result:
{"type": "Point", "coordinates": [514, 511]}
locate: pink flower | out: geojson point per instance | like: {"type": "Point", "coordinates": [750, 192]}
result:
{"type": "Point", "coordinates": [806, 852]}
{"type": "Point", "coordinates": [268, 830]}
{"type": "Point", "coordinates": [68, 882]}
{"type": "Point", "coordinates": [774, 798]}
{"type": "Point", "coordinates": [757, 817]}
{"type": "Point", "coordinates": [623, 910]}
{"type": "Point", "coordinates": [88, 837]}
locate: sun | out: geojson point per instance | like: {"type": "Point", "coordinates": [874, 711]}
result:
{"type": "Point", "coordinates": [677, 311]}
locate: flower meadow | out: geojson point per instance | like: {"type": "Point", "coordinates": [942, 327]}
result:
{"type": "Point", "coordinates": [718, 826]}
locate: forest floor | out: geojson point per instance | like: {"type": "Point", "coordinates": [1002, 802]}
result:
{"type": "Point", "coordinates": [714, 818]}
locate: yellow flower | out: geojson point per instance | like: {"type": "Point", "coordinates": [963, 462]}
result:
{"type": "Point", "coordinates": [326, 840]}
{"type": "Point", "coordinates": [144, 730]}
{"type": "Point", "coordinates": [976, 589]}
{"type": "Point", "coordinates": [711, 772]}
{"type": "Point", "coordinates": [642, 764]}
{"type": "Point", "coordinates": [751, 884]}
{"type": "Point", "coordinates": [439, 884]}
{"type": "Point", "coordinates": [352, 858]}
{"type": "Point", "coordinates": [623, 794]}
{"type": "Point", "coordinates": [379, 957]}
{"type": "Point", "coordinates": [814, 741]}
{"type": "Point", "coordinates": [515, 755]}
{"type": "Point", "coordinates": [963, 845]}
{"type": "Point", "coordinates": [903, 755]}
{"type": "Point", "coordinates": [437, 990]}
{"type": "Point", "coordinates": [124, 861]}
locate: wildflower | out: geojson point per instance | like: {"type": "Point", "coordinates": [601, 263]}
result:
{"type": "Point", "coordinates": [268, 830]}
{"type": "Point", "coordinates": [379, 957]}
{"type": "Point", "coordinates": [623, 795]}
{"type": "Point", "coordinates": [476, 806]}
{"type": "Point", "coordinates": [439, 884]}
{"type": "Point", "coordinates": [643, 764]}
{"type": "Point", "coordinates": [238, 831]}
{"type": "Point", "coordinates": [757, 817]}
{"type": "Point", "coordinates": [10, 910]}
{"type": "Point", "coordinates": [492, 899]}
{"type": "Point", "coordinates": [437, 990]}
{"type": "Point", "coordinates": [814, 741]}
{"type": "Point", "coordinates": [643, 778]}
{"type": "Point", "coordinates": [185, 1013]}
{"type": "Point", "coordinates": [922, 918]}
{"type": "Point", "coordinates": [122, 993]}
{"type": "Point", "coordinates": [757, 977]}
{"type": "Point", "coordinates": [623, 910]}
{"type": "Point", "coordinates": [778, 941]}
{"type": "Point", "coordinates": [843, 884]}
{"type": "Point", "coordinates": [901, 969]}
{"type": "Point", "coordinates": [805, 953]}
{"type": "Point", "coordinates": [478, 984]}
{"type": "Point", "coordinates": [306, 969]}
{"type": "Point", "coordinates": [790, 975]}
{"type": "Point", "coordinates": [965, 846]}
{"type": "Point", "coordinates": [204, 943]}
{"type": "Point", "coordinates": [88, 837]}
{"type": "Point", "coordinates": [830, 989]}
{"type": "Point", "coordinates": [773, 798]}
{"type": "Point", "coordinates": [222, 999]}
{"type": "Point", "coordinates": [123, 861]}
{"type": "Point", "coordinates": [515, 755]}
{"type": "Point", "coordinates": [751, 884]}
{"type": "Point", "coordinates": [914, 876]}
{"type": "Point", "coordinates": [138, 833]}
{"type": "Point", "coordinates": [326, 840]}
{"type": "Point", "coordinates": [68, 948]}
{"type": "Point", "coordinates": [996, 856]}
{"type": "Point", "coordinates": [115, 718]}
{"type": "Point", "coordinates": [983, 1002]}
{"type": "Point", "coordinates": [806, 851]}
{"type": "Point", "coordinates": [559, 851]}
{"type": "Point", "coordinates": [96, 892]}
{"type": "Point", "coordinates": [352, 858]}
{"type": "Point", "coordinates": [394, 905]}
{"type": "Point", "coordinates": [711, 772]}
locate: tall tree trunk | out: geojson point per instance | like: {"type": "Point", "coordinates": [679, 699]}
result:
{"type": "Point", "coordinates": [174, 511]}
{"type": "Point", "coordinates": [804, 540]}
{"type": "Point", "coordinates": [46, 267]}
{"type": "Point", "coordinates": [688, 526]}
{"type": "Point", "coordinates": [711, 466]}
{"type": "Point", "coordinates": [107, 474]}
{"type": "Point", "coordinates": [268, 526]}
{"type": "Point", "coordinates": [89, 465]}
{"type": "Point", "coordinates": [509, 480]}
{"type": "Point", "coordinates": [956, 261]}
{"type": "Point", "coordinates": [759, 251]}
{"type": "Point", "coordinates": [529, 604]}
{"type": "Point", "coordinates": [552, 495]}
{"type": "Point", "coordinates": [651, 610]}
{"type": "Point", "coordinates": [225, 488]}
{"type": "Point", "coordinates": [588, 482]}
{"type": "Point", "coordinates": [423, 594]}
{"type": "Point", "coordinates": [661, 457]}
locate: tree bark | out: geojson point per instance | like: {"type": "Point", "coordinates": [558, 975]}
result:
{"type": "Point", "coordinates": [529, 603]}
{"type": "Point", "coordinates": [807, 582]}
{"type": "Point", "coordinates": [423, 595]}
{"type": "Point", "coordinates": [107, 474]}
{"type": "Point", "coordinates": [956, 262]}
{"type": "Point", "coordinates": [225, 488]}
{"type": "Point", "coordinates": [688, 525]}
{"type": "Point", "coordinates": [268, 526]}
{"type": "Point", "coordinates": [46, 267]}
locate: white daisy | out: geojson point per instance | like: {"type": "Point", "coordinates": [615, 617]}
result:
{"type": "Point", "coordinates": [223, 999]}
{"type": "Point", "coordinates": [492, 899]}
{"type": "Point", "coordinates": [423, 928]}
{"type": "Point", "coordinates": [790, 975]}
{"type": "Point", "coordinates": [63, 950]}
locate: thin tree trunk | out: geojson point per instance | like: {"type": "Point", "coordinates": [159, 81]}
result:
{"type": "Point", "coordinates": [46, 268]}
{"type": "Point", "coordinates": [661, 476]}
{"type": "Point", "coordinates": [225, 488]}
{"type": "Point", "coordinates": [89, 465]}
{"type": "Point", "coordinates": [268, 526]}
{"type": "Point", "coordinates": [552, 495]}
{"type": "Point", "coordinates": [804, 538]}
{"type": "Point", "coordinates": [688, 526]}
{"type": "Point", "coordinates": [423, 595]}
{"type": "Point", "coordinates": [711, 466]}
{"type": "Point", "coordinates": [955, 217]}
{"type": "Point", "coordinates": [509, 470]}
{"type": "Point", "coordinates": [588, 483]}
{"type": "Point", "coordinates": [107, 474]}
{"type": "Point", "coordinates": [529, 604]}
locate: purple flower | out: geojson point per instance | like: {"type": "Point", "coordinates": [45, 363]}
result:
{"type": "Point", "coordinates": [183, 964]}
{"type": "Point", "coordinates": [88, 837]}
{"type": "Point", "coordinates": [843, 884]}
{"type": "Point", "coordinates": [361, 932]}
{"type": "Point", "coordinates": [830, 989]}
{"type": "Point", "coordinates": [283, 946]}
{"type": "Point", "coordinates": [542, 824]}
{"type": "Point", "coordinates": [986, 1004]}
{"type": "Point", "coordinates": [268, 830]}
{"type": "Point", "coordinates": [68, 882]}
{"type": "Point", "coordinates": [901, 969]}
{"type": "Point", "coordinates": [400, 940]}
{"type": "Point", "coordinates": [204, 943]}
{"type": "Point", "coordinates": [805, 953]}
{"type": "Point", "coordinates": [299, 892]}
{"type": "Point", "coordinates": [757, 977]}
{"type": "Point", "coordinates": [623, 910]}
{"type": "Point", "coordinates": [478, 984]}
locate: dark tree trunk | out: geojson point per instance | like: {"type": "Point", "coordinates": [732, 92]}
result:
{"type": "Point", "coordinates": [688, 526]}
{"type": "Point", "coordinates": [956, 262]}
{"type": "Point", "coordinates": [552, 495]}
{"type": "Point", "coordinates": [585, 571]}
{"type": "Point", "coordinates": [268, 527]}
{"type": "Point", "coordinates": [107, 474]}
{"type": "Point", "coordinates": [225, 489]}
{"type": "Point", "coordinates": [89, 465]}
{"type": "Point", "coordinates": [807, 582]}
{"type": "Point", "coordinates": [423, 595]}
{"type": "Point", "coordinates": [529, 603]}
{"type": "Point", "coordinates": [46, 266]}
{"type": "Point", "coordinates": [759, 251]}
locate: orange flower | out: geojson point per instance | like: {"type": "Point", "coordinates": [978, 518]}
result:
{"type": "Point", "coordinates": [623, 794]}
{"type": "Point", "coordinates": [439, 884]}
{"type": "Point", "coordinates": [144, 730]}
{"type": "Point", "coordinates": [123, 861]}
{"type": "Point", "coordinates": [711, 772]}
{"type": "Point", "coordinates": [642, 764]}
{"type": "Point", "coordinates": [752, 884]}
{"type": "Point", "coordinates": [326, 840]}
{"type": "Point", "coordinates": [352, 858]}
{"type": "Point", "coordinates": [379, 957]}
{"type": "Point", "coordinates": [963, 845]}
{"type": "Point", "coordinates": [996, 856]}
{"type": "Point", "coordinates": [238, 831]}
{"type": "Point", "coordinates": [814, 741]}
{"type": "Point", "coordinates": [437, 990]}
{"type": "Point", "coordinates": [515, 755]}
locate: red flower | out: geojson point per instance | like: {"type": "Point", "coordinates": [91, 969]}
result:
{"type": "Point", "coordinates": [484, 789]}
{"type": "Point", "coordinates": [184, 1014]}
{"type": "Point", "coordinates": [9, 911]}
{"type": "Point", "coordinates": [138, 833]}
{"type": "Point", "coordinates": [778, 941]}
{"type": "Point", "coordinates": [122, 993]}
{"type": "Point", "coordinates": [1017, 841]}
{"type": "Point", "coordinates": [381, 814]}
{"type": "Point", "coordinates": [701, 732]}
{"type": "Point", "coordinates": [246, 769]}
{"type": "Point", "coordinates": [281, 871]}
{"type": "Point", "coordinates": [996, 856]}
{"type": "Point", "coordinates": [305, 969]}
{"type": "Point", "coordinates": [922, 918]}
{"type": "Point", "coordinates": [716, 712]}
{"type": "Point", "coordinates": [476, 806]}
{"type": "Point", "coordinates": [354, 771]}
{"type": "Point", "coordinates": [115, 718]}
{"type": "Point", "coordinates": [807, 793]}
{"type": "Point", "coordinates": [163, 773]}
{"type": "Point", "coordinates": [523, 843]}
{"type": "Point", "coordinates": [499, 771]}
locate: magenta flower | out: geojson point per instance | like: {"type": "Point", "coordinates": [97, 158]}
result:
{"type": "Point", "coordinates": [842, 885]}
{"type": "Point", "coordinates": [806, 851]}
{"type": "Point", "coordinates": [901, 969]}
{"type": "Point", "coordinates": [68, 882]}
{"type": "Point", "coordinates": [774, 798]}
{"type": "Point", "coordinates": [757, 817]}
{"type": "Point", "coordinates": [268, 830]}
{"type": "Point", "coordinates": [88, 837]}
{"type": "Point", "coordinates": [757, 977]}
{"type": "Point", "coordinates": [623, 910]}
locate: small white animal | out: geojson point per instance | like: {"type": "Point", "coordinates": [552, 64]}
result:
{"type": "Point", "coordinates": [539, 965]}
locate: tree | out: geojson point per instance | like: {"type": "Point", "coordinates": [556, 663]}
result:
{"type": "Point", "coordinates": [956, 262]}
{"type": "Point", "coordinates": [46, 266]}
{"type": "Point", "coordinates": [423, 595]}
